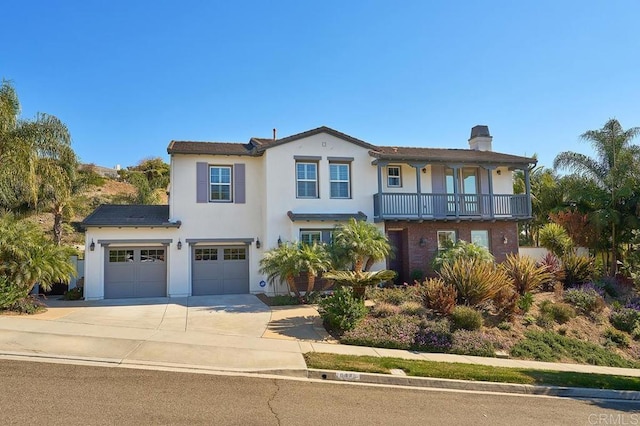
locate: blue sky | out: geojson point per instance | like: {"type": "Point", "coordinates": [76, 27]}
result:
{"type": "Point", "coordinates": [129, 76]}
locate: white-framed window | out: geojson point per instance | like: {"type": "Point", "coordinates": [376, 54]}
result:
{"type": "Point", "coordinates": [203, 254]}
{"type": "Point", "coordinates": [480, 238]}
{"type": "Point", "coordinates": [119, 256]}
{"type": "Point", "coordinates": [444, 237]}
{"type": "Point", "coordinates": [152, 255]}
{"type": "Point", "coordinates": [235, 253]}
{"type": "Point", "coordinates": [339, 180]}
{"type": "Point", "coordinates": [394, 178]}
{"type": "Point", "coordinates": [316, 236]}
{"type": "Point", "coordinates": [306, 180]}
{"type": "Point", "coordinates": [220, 183]}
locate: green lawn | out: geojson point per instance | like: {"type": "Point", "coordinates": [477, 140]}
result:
{"type": "Point", "coordinates": [445, 370]}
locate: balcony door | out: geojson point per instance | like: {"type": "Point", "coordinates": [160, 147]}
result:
{"type": "Point", "coordinates": [467, 184]}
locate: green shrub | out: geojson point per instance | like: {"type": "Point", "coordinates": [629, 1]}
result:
{"type": "Point", "coordinates": [465, 342]}
{"type": "Point", "coordinates": [438, 296]}
{"type": "Point", "coordinates": [27, 305]}
{"type": "Point", "coordinates": [529, 320]}
{"type": "Point", "coordinates": [395, 332]}
{"type": "Point", "coordinates": [73, 294]}
{"type": "Point", "coordinates": [342, 310]}
{"type": "Point", "coordinates": [504, 325]}
{"type": "Point", "coordinates": [617, 337]}
{"type": "Point", "coordinates": [396, 296]}
{"type": "Point", "coordinates": [549, 346]}
{"type": "Point", "coordinates": [555, 238]}
{"type": "Point", "coordinates": [525, 302]}
{"type": "Point", "coordinates": [466, 318]}
{"type": "Point", "coordinates": [384, 309]}
{"type": "Point", "coordinates": [585, 299]}
{"type": "Point", "coordinates": [434, 336]}
{"type": "Point", "coordinates": [525, 275]}
{"type": "Point", "coordinates": [556, 312]}
{"type": "Point", "coordinates": [475, 280]}
{"type": "Point", "coordinates": [10, 293]}
{"type": "Point", "coordinates": [577, 270]}
{"type": "Point", "coordinates": [460, 250]}
{"type": "Point", "coordinates": [625, 319]}
{"type": "Point", "coordinates": [412, 308]}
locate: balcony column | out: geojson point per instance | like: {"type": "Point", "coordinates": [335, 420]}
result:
{"type": "Point", "coordinates": [527, 185]}
{"type": "Point", "coordinates": [379, 178]}
{"type": "Point", "coordinates": [456, 182]}
{"type": "Point", "coordinates": [490, 182]}
{"type": "Point", "coordinates": [418, 167]}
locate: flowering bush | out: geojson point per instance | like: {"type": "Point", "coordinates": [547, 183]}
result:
{"type": "Point", "coordinates": [394, 332]}
{"type": "Point", "coordinates": [477, 343]}
{"type": "Point", "coordinates": [586, 298]}
{"type": "Point", "coordinates": [434, 336]}
{"type": "Point", "coordinates": [625, 319]}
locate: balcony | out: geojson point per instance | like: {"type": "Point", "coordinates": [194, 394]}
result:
{"type": "Point", "coordinates": [398, 206]}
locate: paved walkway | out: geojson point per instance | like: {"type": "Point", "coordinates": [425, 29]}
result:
{"type": "Point", "coordinates": [229, 333]}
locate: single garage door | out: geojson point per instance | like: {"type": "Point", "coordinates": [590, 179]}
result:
{"type": "Point", "coordinates": [135, 272]}
{"type": "Point", "coordinates": [219, 270]}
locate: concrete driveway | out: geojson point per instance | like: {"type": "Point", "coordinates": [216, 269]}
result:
{"type": "Point", "coordinates": [237, 315]}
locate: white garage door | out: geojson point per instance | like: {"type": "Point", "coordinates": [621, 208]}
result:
{"type": "Point", "coordinates": [219, 270]}
{"type": "Point", "coordinates": [135, 272]}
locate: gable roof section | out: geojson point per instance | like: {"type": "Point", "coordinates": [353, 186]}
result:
{"type": "Point", "coordinates": [265, 144]}
{"type": "Point", "coordinates": [119, 215]}
{"type": "Point", "coordinates": [211, 148]}
{"type": "Point", "coordinates": [447, 155]}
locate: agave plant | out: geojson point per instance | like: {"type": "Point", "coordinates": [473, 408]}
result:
{"type": "Point", "coordinates": [475, 280]}
{"type": "Point", "coordinates": [524, 273]}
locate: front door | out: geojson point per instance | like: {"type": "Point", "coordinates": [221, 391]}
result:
{"type": "Point", "coordinates": [396, 261]}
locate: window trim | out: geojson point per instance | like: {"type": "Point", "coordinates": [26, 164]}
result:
{"type": "Point", "coordinates": [399, 177]}
{"type": "Point", "coordinates": [348, 181]}
{"type": "Point", "coordinates": [230, 184]}
{"type": "Point", "coordinates": [449, 232]}
{"type": "Point", "coordinates": [322, 232]}
{"type": "Point", "coordinates": [298, 180]}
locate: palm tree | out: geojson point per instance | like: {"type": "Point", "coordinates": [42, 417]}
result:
{"type": "Point", "coordinates": [291, 260]}
{"type": "Point", "coordinates": [27, 257]}
{"type": "Point", "coordinates": [613, 170]}
{"type": "Point", "coordinates": [360, 244]}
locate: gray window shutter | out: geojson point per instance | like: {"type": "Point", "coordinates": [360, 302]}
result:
{"type": "Point", "coordinates": [239, 184]}
{"type": "Point", "coordinates": [202, 182]}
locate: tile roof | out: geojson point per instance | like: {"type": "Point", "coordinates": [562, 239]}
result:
{"type": "Point", "coordinates": [446, 155]}
{"type": "Point", "coordinates": [257, 146]}
{"type": "Point", "coordinates": [216, 148]}
{"type": "Point", "coordinates": [119, 215]}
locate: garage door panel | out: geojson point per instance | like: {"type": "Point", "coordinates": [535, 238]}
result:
{"type": "Point", "coordinates": [220, 270]}
{"type": "Point", "coordinates": [135, 272]}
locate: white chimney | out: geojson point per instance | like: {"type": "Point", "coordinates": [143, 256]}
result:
{"type": "Point", "coordinates": [480, 139]}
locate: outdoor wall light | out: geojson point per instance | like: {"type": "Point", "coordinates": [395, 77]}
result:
{"type": "Point", "coordinates": [279, 241]}
{"type": "Point", "coordinates": [258, 245]}
{"type": "Point", "coordinates": [423, 242]}
{"type": "Point", "coordinates": [504, 239]}
{"type": "Point", "coordinates": [92, 246]}
{"type": "Point", "coordinates": [179, 244]}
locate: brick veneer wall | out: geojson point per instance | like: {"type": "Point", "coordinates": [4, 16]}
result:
{"type": "Point", "coordinates": [417, 257]}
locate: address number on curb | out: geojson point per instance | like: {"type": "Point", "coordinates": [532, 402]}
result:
{"type": "Point", "coordinates": [351, 377]}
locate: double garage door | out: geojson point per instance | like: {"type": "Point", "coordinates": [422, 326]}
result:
{"type": "Point", "coordinates": [135, 272]}
{"type": "Point", "coordinates": [219, 270]}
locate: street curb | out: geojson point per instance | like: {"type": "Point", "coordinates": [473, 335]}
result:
{"type": "Point", "coordinates": [428, 382]}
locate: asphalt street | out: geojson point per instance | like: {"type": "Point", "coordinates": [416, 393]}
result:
{"type": "Point", "coordinates": [62, 394]}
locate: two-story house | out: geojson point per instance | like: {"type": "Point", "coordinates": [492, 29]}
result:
{"type": "Point", "coordinates": [229, 202]}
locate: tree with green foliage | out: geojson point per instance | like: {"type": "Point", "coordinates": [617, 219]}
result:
{"type": "Point", "coordinates": [150, 178]}
{"type": "Point", "coordinates": [614, 170]}
{"type": "Point", "coordinates": [460, 250]}
{"type": "Point", "coordinates": [359, 245]}
{"type": "Point", "coordinates": [28, 258]}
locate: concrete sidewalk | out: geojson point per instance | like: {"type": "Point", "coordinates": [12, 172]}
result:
{"type": "Point", "coordinates": [240, 334]}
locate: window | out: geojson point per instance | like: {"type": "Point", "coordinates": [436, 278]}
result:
{"type": "Point", "coordinates": [307, 180]}
{"type": "Point", "coordinates": [152, 255]}
{"type": "Point", "coordinates": [445, 237]}
{"type": "Point", "coordinates": [310, 237]}
{"type": "Point", "coordinates": [220, 183]}
{"type": "Point", "coordinates": [235, 254]}
{"type": "Point", "coordinates": [117, 256]}
{"type": "Point", "coordinates": [480, 238]}
{"type": "Point", "coordinates": [339, 180]}
{"type": "Point", "coordinates": [394, 178]}
{"type": "Point", "coordinates": [206, 254]}
{"type": "Point", "coordinates": [318, 236]}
